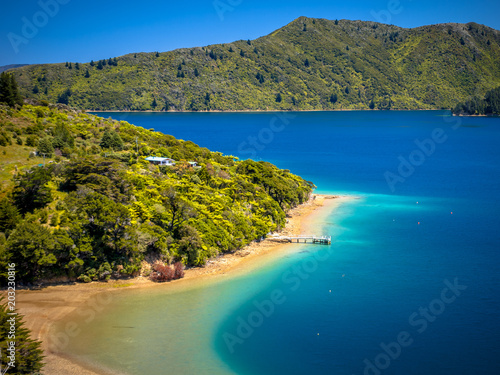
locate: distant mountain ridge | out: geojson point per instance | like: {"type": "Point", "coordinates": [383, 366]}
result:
{"type": "Point", "coordinates": [11, 66]}
{"type": "Point", "coordinates": [308, 64]}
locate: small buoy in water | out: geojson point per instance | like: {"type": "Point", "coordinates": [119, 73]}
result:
{"type": "Point", "coordinates": [417, 202]}
{"type": "Point", "coordinates": [343, 275]}
{"type": "Point", "coordinates": [318, 334]}
{"type": "Point", "coordinates": [419, 223]}
{"type": "Point", "coordinates": [451, 212]}
{"type": "Point", "coordinates": [330, 291]}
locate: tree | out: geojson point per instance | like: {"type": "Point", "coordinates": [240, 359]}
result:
{"type": "Point", "coordinates": [92, 63]}
{"type": "Point", "coordinates": [9, 215]}
{"type": "Point", "coordinates": [45, 147]}
{"type": "Point", "coordinates": [31, 190]}
{"type": "Point", "coordinates": [30, 247]}
{"type": "Point", "coordinates": [278, 98]}
{"type": "Point", "coordinates": [87, 74]}
{"type": "Point", "coordinates": [333, 98]}
{"type": "Point", "coordinates": [492, 100]}
{"type": "Point", "coordinates": [157, 54]}
{"type": "Point", "coordinates": [196, 73]}
{"type": "Point", "coordinates": [306, 63]}
{"type": "Point", "coordinates": [70, 66]}
{"type": "Point", "coordinates": [190, 244]}
{"type": "Point", "coordinates": [107, 225]}
{"type": "Point", "coordinates": [372, 104]}
{"type": "Point", "coordinates": [154, 104]}
{"type": "Point", "coordinates": [177, 212]}
{"type": "Point", "coordinates": [62, 137]}
{"type": "Point", "coordinates": [99, 65]}
{"type": "Point", "coordinates": [28, 353]}
{"type": "Point", "coordinates": [242, 53]}
{"type": "Point", "coordinates": [36, 90]}
{"type": "Point", "coordinates": [106, 140]}
{"type": "Point", "coordinates": [63, 98]}
{"type": "Point", "coordinates": [9, 91]}
{"type": "Point", "coordinates": [77, 66]}
{"type": "Point", "coordinates": [31, 141]}
{"type": "Point", "coordinates": [110, 62]}
{"type": "Point", "coordinates": [111, 139]}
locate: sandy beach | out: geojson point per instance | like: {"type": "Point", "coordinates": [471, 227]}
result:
{"type": "Point", "coordinates": [42, 308]}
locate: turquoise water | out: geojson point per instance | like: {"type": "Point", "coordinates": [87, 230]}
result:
{"type": "Point", "coordinates": [409, 286]}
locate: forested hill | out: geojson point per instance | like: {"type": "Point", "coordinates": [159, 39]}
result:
{"type": "Point", "coordinates": [308, 64]}
{"type": "Point", "coordinates": [12, 66]}
{"type": "Point", "coordinates": [88, 205]}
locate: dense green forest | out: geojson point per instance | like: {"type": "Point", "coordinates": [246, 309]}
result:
{"type": "Point", "coordinates": [489, 105]}
{"type": "Point", "coordinates": [308, 64]}
{"type": "Point", "coordinates": [79, 201]}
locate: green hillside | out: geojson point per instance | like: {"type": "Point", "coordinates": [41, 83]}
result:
{"type": "Point", "coordinates": [89, 206]}
{"type": "Point", "coordinates": [308, 64]}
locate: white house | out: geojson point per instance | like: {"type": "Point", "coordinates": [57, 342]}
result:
{"type": "Point", "coordinates": [160, 161]}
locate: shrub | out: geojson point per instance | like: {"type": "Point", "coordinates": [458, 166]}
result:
{"type": "Point", "coordinates": [161, 272]}
{"type": "Point", "coordinates": [178, 270]}
{"type": "Point", "coordinates": [84, 278]}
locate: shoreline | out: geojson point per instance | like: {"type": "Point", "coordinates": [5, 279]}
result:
{"type": "Point", "coordinates": [43, 308]}
{"type": "Point", "coordinates": [463, 115]}
{"type": "Point", "coordinates": [269, 110]}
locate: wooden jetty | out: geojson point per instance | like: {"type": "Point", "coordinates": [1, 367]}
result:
{"type": "Point", "coordinates": [322, 240]}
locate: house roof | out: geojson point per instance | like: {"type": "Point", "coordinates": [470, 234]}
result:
{"type": "Point", "coordinates": [156, 158]}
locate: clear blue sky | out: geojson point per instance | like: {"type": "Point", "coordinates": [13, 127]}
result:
{"type": "Point", "coordinates": [84, 30]}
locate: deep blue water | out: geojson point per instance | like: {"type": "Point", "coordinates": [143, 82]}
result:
{"type": "Point", "coordinates": [387, 275]}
